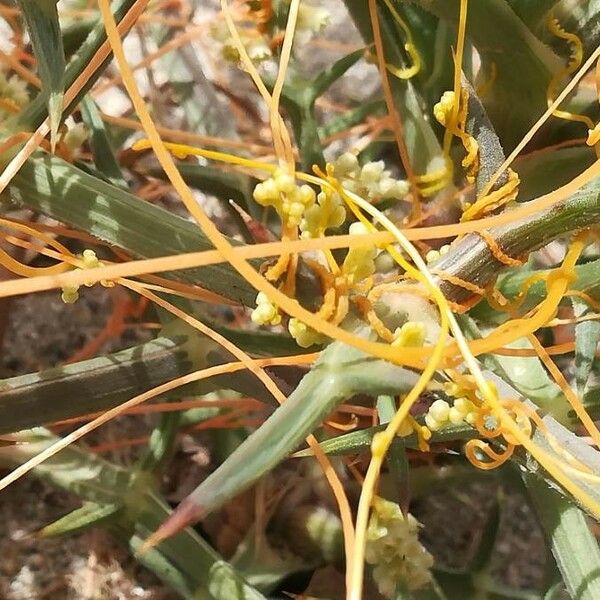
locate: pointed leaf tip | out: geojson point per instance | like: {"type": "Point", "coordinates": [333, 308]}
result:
{"type": "Point", "coordinates": [186, 514]}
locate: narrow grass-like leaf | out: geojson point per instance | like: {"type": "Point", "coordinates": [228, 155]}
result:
{"type": "Point", "coordinates": [75, 33]}
{"type": "Point", "coordinates": [503, 39]}
{"type": "Point", "coordinates": [101, 383]}
{"type": "Point", "coordinates": [591, 401]}
{"type": "Point", "coordinates": [397, 459]}
{"type": "Point", "coordinates": [359, 441]}
{"type": "Point", "coordinates": [588, 278]}
{"type": "Point", "coordinates": [528, 375]}
{"type": "Point", "coordinates": [265, 567]}
{"type": "Point", "coordinates": [91, 514]}
{"type": "Point", "coordinates": [587, 336]}
{"type": "Point", "coordinates": [574, 546]}
{"type": "Point", "coordinates": [90, 386]}
{"type": "Point", "coordinates": [35, 113]}
{"type": "Point", "coordinates": [104, 156]}
{"type": "Point", "coordinates": [41, 18]}
{"type": "Point", "coordinates": [544, 171]}
{"type": "Point", "coordinates": [420, 138]}
{"type": "Point", "coordinates": [219, 183]}
{"type": "Point", "coordinates": [186, 562]}
{"type": "Point", "coordinates": [161, 443]}
{"type": "Point", "coordinates": [481, 564]}
{"type": "Point", "coordinates": [339, 373]}
{"type": "Point", "coordinates": [351, 117]}
{"type": "Point", "coordinates": [491, 154]}
{"type": "Point", "coordinates": [554, 439]}
{"type": "Point", "coordinates": [52, 186]}
{"type": "Point", "coordinates": [331, 74]}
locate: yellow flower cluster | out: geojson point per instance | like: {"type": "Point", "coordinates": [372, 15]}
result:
{"type": "Point", "coordinates": [289, 199]}
{"type": "Point", "coordinates": [441, 414]}
{"type": "Point", "coordinates": [394, 549]}
{"type": "Point", "coordinates": [265, 313]}
{"type": "Point", "coordinates": [360, 261]}
{"type": "Point", "coordinates": [304, 335]}
{"type": "Point", "coordinates": [89, 260]}
{"type": "Point", "coordinates": [328, 212]}
{"type": "Point", "coordinates": [371, 181]}
{"type": "Point", "coordinates": [256, 45]}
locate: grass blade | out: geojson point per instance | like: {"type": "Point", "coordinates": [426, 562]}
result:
{"type": "Point", "coordinates": [359, 441]}
{"type": "Point", "coordinates": [340, 372]}
{"type": "Point", "coordinates": [587, 336]}
{"type": "Point", "coordinates": [35, 113]}
{"type": "Point", "coordinates": [186, 562]}
{"type": "Point", "coordinates": [90, 386]}
{"type": "Point", "coordinates": [41, 18]}
{"type": "Point", "coordinates": [52, 186]}
{"type": "Point", "coordinates": [573, 544]}
{"type": "Point", "coordinates": [104, 156]}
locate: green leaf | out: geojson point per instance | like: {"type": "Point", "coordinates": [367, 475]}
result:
{"type": "Point", "coordinates": [591, 402]}
{"type": "Point", "coordinates": [532, 12]}
{"type": "Point", "coordinates": [491, 154]}
{"type": "Point", "coordinates": [89, 515]}
{"type": "Point", "coordinates": [482, 558]}
{"type": "Point", "coordinates": [331, 74]}
{"type": "Point", "coordinates": [186, 561]}
{"type": "Point", "coordinates": [41, 18]}
{"type": "Point", "coordinates": [339, 372]}
{"type": "Point", "coordinates": [544, 171]}
{"type": "Point", "coordinates": [100, 142]}
{"type": "Point", "coordinates": [503, 39]}
{"type": "Point", "coordinates": [35, 113]}
{"type": "Point", "coordinates": [574, 546]}
{"type": "Point", "coordinates": [528, 375]}
{"type": "Point", "coordinates": [90, 386]}
{"type": "Point", "coordinates": [588, 278]}
{"type": "Point", "coordinates": [299, 97]}
{"type": "Point", "coordinates": [351, 117]}
{"type": "Point", "coordinates": [359, 441]}
{"type": "Point", "coordinates": [554, 439]}
{"type": "Point", "coordinates": [265, 567]}
{"type": "Point", "coordinates": [219, 183]}
{"type": "Point", "coordinates": [161, 443]}
{"type": "Point", "coordinates": [419, 136]}
{"type": "Point", "coordinates": [587, 336]}
{"type": "Point", "coordinates": [50, 185]}
{"type": "Point", "coordinates": [397, 459]}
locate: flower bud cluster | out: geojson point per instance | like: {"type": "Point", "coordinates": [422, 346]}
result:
{"type": "Point", "coordinates": [256, 45]}
{"type": "Point", "coordinates": [70, 294]}
{"type": "Point", "coordinates": [304, 335]}
{"type": "Point", "coordinates": [394, 549]}
{"type": "Point", "coordinates": [360, 261]}
{"type": "Point", "coordinates": [265, 313]}
{"type": "Point", "coordinates": [371, 181]}
{"type": "Point", "coordinates": [442, 110]}
{"type": "Point", "coordinates": [411, 335]}
{"type": "Point", "coordinates": [441, 414]}
{"type": "Point", "coordinates": [326, 213]}
{"type": "Point", "coordinates": [289, 199]}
